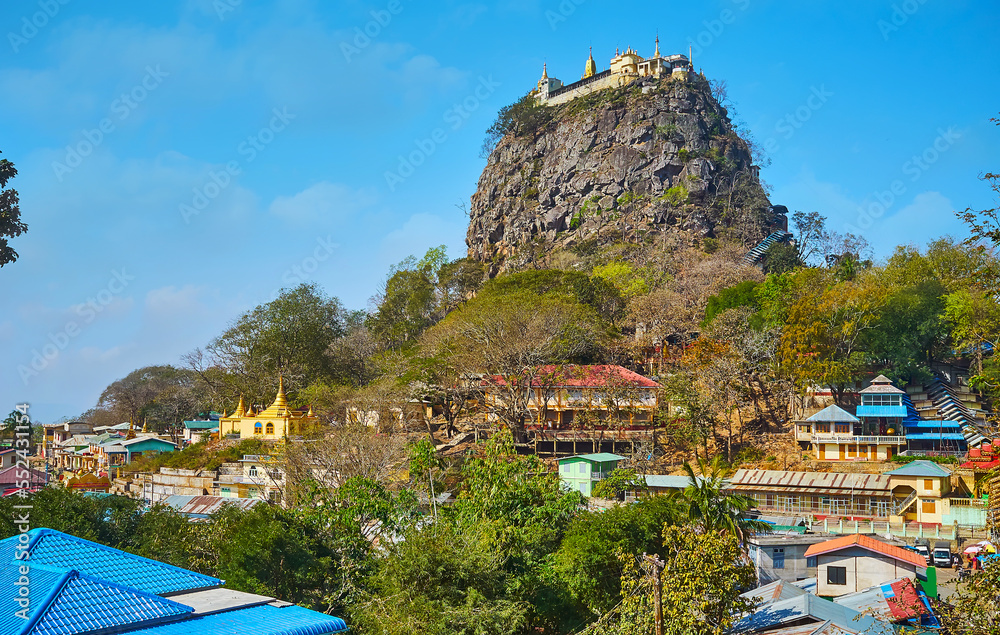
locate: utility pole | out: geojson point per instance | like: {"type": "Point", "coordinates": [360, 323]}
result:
{"type": "Point", "coordinates": [655, 567]}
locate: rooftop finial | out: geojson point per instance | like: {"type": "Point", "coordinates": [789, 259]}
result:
{"type": "Point", "coordinates": [657, 52]}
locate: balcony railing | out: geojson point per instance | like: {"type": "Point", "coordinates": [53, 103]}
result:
{"type": "Point", "coordinates": [827, 437]}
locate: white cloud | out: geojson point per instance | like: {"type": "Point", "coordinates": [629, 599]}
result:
{"type": "Point", "coordinates": [323, 202]}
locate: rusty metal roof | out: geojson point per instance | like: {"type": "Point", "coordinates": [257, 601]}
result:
{"type": "Point", "coordinates": [810, 482]}
{"type": "Point", "coordinates": [200, 506]}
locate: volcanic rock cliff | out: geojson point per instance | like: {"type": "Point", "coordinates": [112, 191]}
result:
{"type": "Point", "coordinates": [621, 164]}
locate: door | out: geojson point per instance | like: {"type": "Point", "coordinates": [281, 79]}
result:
{"type": "Point", "coordinates": [843, 452]}
{"type": "Point", "coordinates": [888, 453]}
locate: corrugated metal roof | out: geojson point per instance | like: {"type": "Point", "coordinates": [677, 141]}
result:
{"type": "Point", "coordinates": [834, 414]}
{"type": "Point", "coordinates": [941, 436]}
{"type": "Point", "coordinates": [600, 457]}
{"type": "Point", "coordinates": [206, 505]}
{"type": "Point", "coordinates": [921, 468]}
{"type": "Point", "coordinates": [893, 601]}
{"type": "Point", "coordinates": [809, 482]}
{"type": "Point", "coordinates": [811, 606]}
{"type": "Point", "coordinates": [881, 411]}
{"type": "Point", "coordinates": [774, 592]}
{"type": "Point", "coordinates": [869, 543]}
{"type": "Point", "coordinates": [667, 481]}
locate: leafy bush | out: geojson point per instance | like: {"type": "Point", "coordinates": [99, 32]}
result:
{"type": "Point", "coordinates": [675, 196]}
{"type": "Point", "coordinates": [524, 117]}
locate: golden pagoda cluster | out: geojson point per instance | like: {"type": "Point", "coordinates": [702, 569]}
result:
{"type": "Point", "coordinates": [624, 67]}
{"type": "Point", "coordinates": [277, 421]}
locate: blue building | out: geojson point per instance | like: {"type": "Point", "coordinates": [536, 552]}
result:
{"type": "Point", "coordinates": [57, 583]}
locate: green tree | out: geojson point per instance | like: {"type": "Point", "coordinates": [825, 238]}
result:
{"type": "Point", "coordinates": [781, 258]}
{"type": "Point", "coordinates": [702, 577]}
{"type": "Point", "coordinates": [973, 609]}
{"type": "Point", "coordinates": [289, 335]}
{"type": "Point", "coordinates": [524, 117]}
{"type": "Point", "coordinates": [714, 510]}
{"type": "Point", "coordinates": [743, 294]}
{"type": "Point", "coordinates": [616, 484]}
{"type": "Point", "coordinates": [10, 213]}
{"type": "Point", "coordinates": [512, 338]}
{"type": "Point", "coordinates": [587, 560]}
{"type": "Point", "coordinates": [974, 316]}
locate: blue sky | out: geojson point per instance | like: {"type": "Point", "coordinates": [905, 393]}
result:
{"type": "Point", "coordinates": [182, 161]}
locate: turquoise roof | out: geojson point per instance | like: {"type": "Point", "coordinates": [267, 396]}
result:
{"type": "Point", "coordinates": [201, 425]}
{"type": "Point", "coordinates": [834, 414]}
{"type": "Point", "coordinates": [600, 457]}
{"type": "Point", "coordinates": [934, 424]}
{"type": "Point", "coordinates": [920, 468]}
{"type": "Point", "coordinates": [881, 411]}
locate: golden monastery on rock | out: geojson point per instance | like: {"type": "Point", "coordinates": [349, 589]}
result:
{"type": "Point", "coordinates": [625, 67]}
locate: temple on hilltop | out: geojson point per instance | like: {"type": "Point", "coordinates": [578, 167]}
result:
{"type": "Point", "coordinates": [624, 68]}
{"type": "Point", "coordinates": [271, 424]}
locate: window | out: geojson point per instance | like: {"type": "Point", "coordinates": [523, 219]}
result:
{"type": "Point", "coordinates": [928, 483]}
{"type": "Point", "coordinates": [928, 507]}
{"type": "Point", "coordinates": [843, 428]}
{"type": "Point", "coordinates": [778, 558]}
{"type": "Point", "coordinates": [836, 575]}
{"type": "Point", "coordinates": [583, 468]}
{"type": "Point", "coordinates": [811, 561]}
{"type": "Point", "coordinates": [270, 428]}
{"type": "Point", "coordinates": [258, 428]}
{"type": "Point", "coordinates": [253, 470]}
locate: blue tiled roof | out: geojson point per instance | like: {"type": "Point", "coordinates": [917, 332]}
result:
{"type": "Point", "coordinates": [881, 411]}
{"type": "Point", "coordinates": [62, 551]}
{"type": "Point", "coordinates": [85, 604]}
{"type": "Point", "coordinates": [257, 620]}
{"type": "Point", "coordinates": [934, 436]}
{"type": "Point", "coordinates": [934, 425]}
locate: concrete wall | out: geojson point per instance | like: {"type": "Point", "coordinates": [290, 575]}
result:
{"type": "Point", "coordinates": [611, 81]}
{"type": "Point", "coordinates": [864, 569]}
{"type": "Point", "coordinates": [795, 564]}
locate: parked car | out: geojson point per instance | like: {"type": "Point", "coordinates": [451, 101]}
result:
{"type": "Point", "coordinates": [942, 554]}
{"type": "Point", "coordinates": [923, 547]}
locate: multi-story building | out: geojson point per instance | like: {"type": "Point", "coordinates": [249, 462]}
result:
{"type": "Point", "coordinates": [833, 434]}
{"type": "Point", "coordinates": [572, 396]}
{"type": "Point", "coordinates": [885, 424]}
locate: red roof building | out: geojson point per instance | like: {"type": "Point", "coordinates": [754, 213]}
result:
{"type": "Point", "coordinates": [577, 396]}
{"type": "Point", "coordinates": [851, 563]}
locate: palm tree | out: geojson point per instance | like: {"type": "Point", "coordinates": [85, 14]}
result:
{"type": "Point", "coordinates": [714, 510]}
{"type": "Point", "coordinates": [10, 424]}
